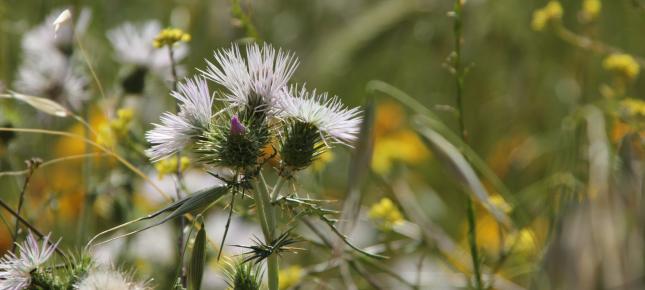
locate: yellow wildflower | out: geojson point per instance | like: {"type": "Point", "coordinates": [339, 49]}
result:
{"type": "Point", "coordinates": [499, 202]}
{"type": "Point", "coordinates": [551, 12]}
{"type": "Point", "coordinates": [522, 241]}
{"type": "Point", "coordinates": [591, 9]}
{"type": "Point", "coordinates": [622, 64]}
{"type": "Point", "coordinates": [289, 277]}
{"type": "Point", "coordinates": [633, 107]}
{"type": "Point", "coordinates": [169, 165]}
{"type": "Point", "coordinates": [170, 36]}
{"type": "Point", "coordinates": [109, 132]}
{"type": "Point", "coordinates": [404, 146]}
{"type": "Point", "coordinates": [386, 214]}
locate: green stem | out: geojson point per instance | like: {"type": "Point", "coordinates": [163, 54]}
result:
{"type": "Point", "coordinates": [459, 82]}
{"type": "Point", "coordinates": [266, 215]}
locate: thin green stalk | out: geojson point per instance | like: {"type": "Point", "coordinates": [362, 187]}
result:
{"type": "Point", "coordinates": [459, 82]}
{"type": "Point", "coordinates": [182, 220]}
{"type": "Point", "coordinates": [266, 215]}
{"type": "Point", "coordinates": [32, 167]}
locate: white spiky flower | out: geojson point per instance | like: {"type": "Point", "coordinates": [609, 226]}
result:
{"type": "Point", "coordinates": [49, 75]}
{"type": "Point", "coordinates": [15, 271]}
{"type": "Point", "coordinates": [46, 37]}
{"type": "Point", "coordinates": [102, 278]}
{"type": "Point", "coordinates": [327, 114]}
{"type": "Point", "coordinates": [178, 130]}
{"type": "Point", "coordinates": [261, 76]}
{"type": "Point", "coordinates": [133, 45]}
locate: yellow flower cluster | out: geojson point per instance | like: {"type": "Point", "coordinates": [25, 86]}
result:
{"type": "Point", "coordinates": [110, 131]}
{"type": "Point", "coordinates": [169, 165]}
{"type": "Point", "coordinates": [170, 36]}
{"type": "Point", "coordinates": [541, 17]}
{"type": "Point", "coordinates": [289, 277]}
{"type": "Point", "coordinates": [633, 107]}
{"type": "Point", "coordinates": [386, 214]}
{"type": "Point", "coordinates": [393, 142]}
{"type": "Point", "coordinates": [622, 64]}
{"type": "Point", "coordinates": [591, 9]}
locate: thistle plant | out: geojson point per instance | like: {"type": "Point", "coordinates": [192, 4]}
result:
{"type": "Point", "coordinates": [256, 109]}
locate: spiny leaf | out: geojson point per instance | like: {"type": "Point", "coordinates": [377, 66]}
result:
{"type": "Point", "coordinates": [183, 206]}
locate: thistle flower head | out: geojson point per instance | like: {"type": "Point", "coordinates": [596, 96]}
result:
{"type": "Point", "coordinates": [328, 115]}
{"type": "Point", "coordinates": [254, 82]}
{"type": "Point", "coordinates": [243, 276]}
{"type": "Point", "coordinates": [107, 279]}
{"type": "Point", "coordinates": [233, 141]}
{"type": "Point", "coordinates": [178, 130]}
{"type": "Point", "coordinates": [15, 271]}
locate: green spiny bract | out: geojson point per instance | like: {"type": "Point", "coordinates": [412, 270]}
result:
{"type": "Point", "coordinates": [244, 276]}
{"type": "Point", "coordinates": [224, 145]}
{"type": "Point", "coordinates": [300, 145]}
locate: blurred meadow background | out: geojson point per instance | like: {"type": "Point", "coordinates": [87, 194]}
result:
{"type": "Point", "coordinates": [552, 109]}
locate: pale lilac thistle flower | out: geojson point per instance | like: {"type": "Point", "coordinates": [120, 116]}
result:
{"type": "Point", "coordinates": [107, 279]}
{"type": "Point", "coordinates": [260, 77]}
{"type": "Point", "coordinates": [328, 114]}
{"type": "Point", "coordinates": [178, 130]}
{"type": "Point", "coordinates": [133, 45]}
{"type": "Point", "coordinates": [15, 271]}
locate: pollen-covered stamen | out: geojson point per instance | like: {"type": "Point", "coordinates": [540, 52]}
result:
{"type": "Point", "coordinates": [236, 127]}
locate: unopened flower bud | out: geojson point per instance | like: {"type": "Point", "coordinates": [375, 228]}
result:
{"type": "Point", "coordinates": [236, 126]}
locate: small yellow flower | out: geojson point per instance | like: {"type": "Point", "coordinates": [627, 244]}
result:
{"type": "Point", "coordinates": [289, 277]}
{"type": "Point", "coordinates": [109, 132]}
{"type": "Point", "coordinates": [591, 9]}
{"type": "Point", "coordinates": [551, 12]}
{"type": "Point", "coordinates": [622, 64]}
{"type": "Point", "coordinates": [169, 165]}
{"type": "Point", "coordinates": [170, 36]}
{"type": "Point", "coordinates": [499, 202]}
{"type": "Point", "coordinates": [386, 214]}
{"type": "Point", "coordinates": [633, 107]}
{"type": "Point", "coordinates": [522, 241]}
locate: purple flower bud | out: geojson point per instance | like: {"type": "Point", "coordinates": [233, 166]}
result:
{"type": "Point", "coordinates": [236, 127]}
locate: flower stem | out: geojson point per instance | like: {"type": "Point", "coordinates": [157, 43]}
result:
{"type": "Point", "coordinates": [266, 215]}
{"type": "Point", "coordinates": [459, 82]}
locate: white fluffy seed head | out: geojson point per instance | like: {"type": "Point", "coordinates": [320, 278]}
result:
{"type": "Point", "coordinates": [263, 74]}
{"type": "Point", "coordinates": [178, 130]}
{"type": "Point", "coordinates": [328, 114]}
